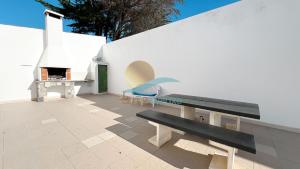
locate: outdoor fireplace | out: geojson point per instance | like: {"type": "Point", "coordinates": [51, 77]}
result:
{"type": "Point", "coordinates": [52, 73]}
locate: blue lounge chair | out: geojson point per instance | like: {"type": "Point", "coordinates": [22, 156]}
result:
{"type": "Point", "coordinates": [149, 90]}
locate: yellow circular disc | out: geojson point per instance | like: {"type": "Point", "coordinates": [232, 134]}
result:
{"type": "Point", "coordinates": [139, 72]}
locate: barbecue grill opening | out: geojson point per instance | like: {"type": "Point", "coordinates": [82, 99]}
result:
{"type": "Point", "coordinates": [56, 73]}
{"type": "Point", "coordinates": [52, 73]}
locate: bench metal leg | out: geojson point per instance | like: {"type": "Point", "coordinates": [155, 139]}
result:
{"type": "Point", "coordinates": [163, 135]}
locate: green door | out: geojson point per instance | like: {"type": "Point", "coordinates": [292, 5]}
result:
{"type": "Point", "coordinates": [102, 78]}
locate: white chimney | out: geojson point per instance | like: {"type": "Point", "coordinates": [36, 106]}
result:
{"type": "Point", "coordinates": [54, 54]}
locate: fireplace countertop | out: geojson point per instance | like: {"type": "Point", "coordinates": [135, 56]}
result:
{"type": "Point", "coordinates": [41, 81]}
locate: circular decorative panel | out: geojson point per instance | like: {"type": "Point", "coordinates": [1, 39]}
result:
{"type": "Point", "coordinates": [139, 72]}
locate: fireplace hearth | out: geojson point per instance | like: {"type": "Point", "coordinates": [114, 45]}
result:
{"type": "Point", "coordinates": [51, 73]}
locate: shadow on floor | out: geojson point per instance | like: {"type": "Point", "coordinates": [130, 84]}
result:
{"type": "Point", "coordinates": [179, 157]}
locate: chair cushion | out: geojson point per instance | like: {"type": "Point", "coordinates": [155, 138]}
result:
{"type": "Point", "coordinates": [143, 94]}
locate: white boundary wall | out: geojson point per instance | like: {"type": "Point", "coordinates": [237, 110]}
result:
{"type": "Point", "coordinates": [247, 51]}
{"type": "Point", "coordinates": [21, 49]}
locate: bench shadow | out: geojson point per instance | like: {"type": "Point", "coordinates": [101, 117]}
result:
{"type": "Point", "coordinates": [175, 152]}
{"type": "Point", "coordinates": [176, 156]}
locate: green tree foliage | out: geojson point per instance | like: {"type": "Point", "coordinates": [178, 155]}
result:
{"type": "Point", "coordinates": [115, 19]}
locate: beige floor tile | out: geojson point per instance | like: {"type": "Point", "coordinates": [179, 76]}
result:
{"type": "Point", "coordinates": [108, 114]}
{"type": "Point", "coordinates": [187, 143]}
{"type": "Point", "coordinates": [101, 112]}
{"type": "Point", "coordinates": [1, 160]}
{"type": "Point", "coordinates": [36, 158]}
{"type": "Point", "coordinates": [80, 133]}
{"type": "Point", "coordinates": [94, 110]}
{"type": "Point", "coordinates": [92, 141]}
{"type": "Point", "coordinates": [81, 126]}
{"type": "Point", "coordinates": [72, 149]}
{"type": "Point", "coordinates": [52, 135]}
{"type": "Point", "coordinates": [243, 163]}
{"type": "Point", "coordinates": [107, 153]}
{"type": "Point", "coordinates": [83, 104]}
{"type": "Point", "coordinates": [86, 160]}
{"type": "Point", "coordinates": [1, 142]}
{"type": "Point", "coordinates": [137, 154]}
{"type": "Point", "coordinates": [155, 163]}
{"type": "Point", "coordinates": [20, 114]}
{"type": "Point", "coordinates": [1, 120]}
{"type": "Point", "coordinates": [124, 163]}
{"type": "Point", "coordinates": [239, 163]}
{"type": "Point", "coordinates": [181, 158]}
{"type": "Point", "coordinates": [47, 121]}
{"type": "Point", "coordinates": [107, 135]}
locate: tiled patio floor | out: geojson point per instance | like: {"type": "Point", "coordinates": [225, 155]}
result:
{"type": "Point", "coordinates": [98, 132]}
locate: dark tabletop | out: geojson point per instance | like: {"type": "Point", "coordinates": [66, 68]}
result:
{"type": "Point", "coordinates": [242, 109]}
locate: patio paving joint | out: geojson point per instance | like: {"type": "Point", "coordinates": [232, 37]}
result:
{"type": "Point", "coordinates": [65, 155]}
{"type": "Point", "coordinates": [2, 156]}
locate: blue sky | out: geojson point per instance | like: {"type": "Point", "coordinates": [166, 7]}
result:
{"type": "Point", "coordinates": [28, 13]}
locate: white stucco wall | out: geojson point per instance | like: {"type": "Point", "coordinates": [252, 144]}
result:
{"type": "Point", "coordinates": [21, 49]}
{"type": "Point", "coordinates": [247, 51]}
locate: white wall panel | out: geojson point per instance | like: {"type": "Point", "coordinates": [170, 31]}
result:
{"type": "Point", "coordinates": [247, 51]}
{"type": "Point", "coordinates": [21, 49]}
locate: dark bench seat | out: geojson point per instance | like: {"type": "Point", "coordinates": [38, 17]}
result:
{"type": "Point", "coordinates": [235, 139]}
